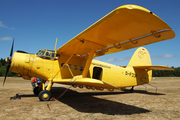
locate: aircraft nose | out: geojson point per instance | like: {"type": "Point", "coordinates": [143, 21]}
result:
{"type": "Point", "coordinates": [21, 63]}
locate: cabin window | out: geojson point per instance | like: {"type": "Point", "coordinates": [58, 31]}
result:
{"type": "Point", "coordinates": [75, 67]}
{"type": "Point", "coordinates": [97, 73]}
{"type": "Point", "coordinates": [62, 64]}
{"type": "Point", "coordinates": [81, 68]}
{"type": "Point", "coordinates": [69, 66]}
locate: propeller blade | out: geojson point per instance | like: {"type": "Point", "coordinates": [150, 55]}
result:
{"type": "Point", "coordinates": [12, 49]}
{"type": "Point", "coordinates": [9, 62]}
{"type": "Point", "coordinates": [7, 70]}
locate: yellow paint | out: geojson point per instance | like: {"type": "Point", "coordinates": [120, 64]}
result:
{"type": "Point", "coordinates": [121, 28]}
{"type": "Point", "coordinates": [126, 27]}
{"type": "Point", "coordinates": [88, 63]}
{"type": "Point", "coordinates": [45, 96]}
{"type": "Point", "coordinates": [111, 76]}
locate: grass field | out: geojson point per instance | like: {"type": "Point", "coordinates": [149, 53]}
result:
{"type": "Point", "coordinates": [80, 104]}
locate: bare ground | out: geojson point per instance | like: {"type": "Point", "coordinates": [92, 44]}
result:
{"type": "Point", "coordinates": [78, 104]}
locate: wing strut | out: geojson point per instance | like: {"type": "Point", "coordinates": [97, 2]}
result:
{"type": "Point", "coordinates": [88, 62]}
{"type": "Point", "coordinates": [68, 61]}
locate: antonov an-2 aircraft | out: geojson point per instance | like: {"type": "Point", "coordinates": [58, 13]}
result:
{"type": "Point", "coordinates": [126, 27]}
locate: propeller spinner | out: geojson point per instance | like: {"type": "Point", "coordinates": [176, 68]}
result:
{"type": "Point", "coordinates": [8, 60]}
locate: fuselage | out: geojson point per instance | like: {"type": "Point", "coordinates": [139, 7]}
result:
{"type": "Point", "coordinates": [64, 68]}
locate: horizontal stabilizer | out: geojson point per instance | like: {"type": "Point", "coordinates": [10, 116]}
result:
{"type": "Point", "coordinates": [154, 67]}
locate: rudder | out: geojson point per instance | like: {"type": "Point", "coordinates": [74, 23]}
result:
{"type": "Point", "coordinates": [140, 57]}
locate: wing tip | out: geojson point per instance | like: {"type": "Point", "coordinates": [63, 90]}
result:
{"type": "Point", "coordinates": [132, 6]}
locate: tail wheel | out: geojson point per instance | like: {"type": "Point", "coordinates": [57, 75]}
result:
{"type": "Point", "coordinates": [45, 95]}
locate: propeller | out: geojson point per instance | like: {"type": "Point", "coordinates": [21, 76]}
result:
{"type": "Point", "coordinates": [8, 60]}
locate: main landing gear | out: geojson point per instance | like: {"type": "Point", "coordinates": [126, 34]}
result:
{"type": "Point", "coordinates": [43, 92]}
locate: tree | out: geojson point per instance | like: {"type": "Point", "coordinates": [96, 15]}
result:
{"type": "Point", "coordinates": [3, 67]}
{"type": "Point", "coordinates": [167, 73]}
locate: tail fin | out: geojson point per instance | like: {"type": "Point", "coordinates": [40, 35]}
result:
{"type": "Point", "coordinates": [141, 64]}
{"type": "Point", "coordinates": [142, 60]}
{"type": "Point", "coordinates": [140, 57]}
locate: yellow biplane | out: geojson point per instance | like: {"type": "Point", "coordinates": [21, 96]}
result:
{"type": "Point", "coordinates": [126, 27]}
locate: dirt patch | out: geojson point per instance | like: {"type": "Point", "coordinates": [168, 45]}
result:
{"type": "Point", "coordinates": [79, 104]}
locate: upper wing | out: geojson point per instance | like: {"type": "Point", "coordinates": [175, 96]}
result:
{"type": "Point", "coordinates": [126, 27]}
{"type": "Point", "coordinates": [154, 67]}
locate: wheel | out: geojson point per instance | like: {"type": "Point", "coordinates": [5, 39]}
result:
{"type": "Point", "coordinates": [45, 95]}
{"type": "Point", "coordinates": [35, 91]}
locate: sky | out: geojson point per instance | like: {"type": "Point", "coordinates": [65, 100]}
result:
{"type": "Point", "coordinates": [35, 24]}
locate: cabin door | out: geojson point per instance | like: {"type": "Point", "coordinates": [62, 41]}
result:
{"type": "Point", "coordinates": [97, 73]}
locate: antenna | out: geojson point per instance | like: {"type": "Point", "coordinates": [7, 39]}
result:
{"type": "Point", "coordinates": [55, 44]}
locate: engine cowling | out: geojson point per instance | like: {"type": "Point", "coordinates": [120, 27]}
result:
{"type": "Point", "coordinates": [21, 64]}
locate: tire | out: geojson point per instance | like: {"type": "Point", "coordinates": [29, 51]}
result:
{"type": "Point", "coordinates": [35, 91]}
{"type": "Point", "coordinates": [45, 95]}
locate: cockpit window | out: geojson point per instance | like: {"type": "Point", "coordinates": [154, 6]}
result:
{"type": "Point", "coordinates": [48, 54]}
{"type": "Point", "coordinates": [41, 53]}
{"type": "Point", "coordinates": [53, 54]}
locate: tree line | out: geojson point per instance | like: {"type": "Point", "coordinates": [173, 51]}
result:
{"type": "Point", "coordinates": [3, 67]}
{"type": "Point", "coordinates": [166, 73]}
{"type": "Point", "coordinates": [155, 73]}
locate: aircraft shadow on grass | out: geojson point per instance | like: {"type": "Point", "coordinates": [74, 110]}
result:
{"type": "Point", "coordinates": [86, 103]}
{"type": "Point", "coordinates": [30, 95]}
{"type": "Point", "coordinates": [143, 92]}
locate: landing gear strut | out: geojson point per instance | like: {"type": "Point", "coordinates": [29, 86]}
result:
{"type": "Point", "coordinates": [45, 94]}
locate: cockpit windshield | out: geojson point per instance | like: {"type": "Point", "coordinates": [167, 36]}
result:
{"type": "Point", "coordinates": [47, 54]}
{"type": "Point", "coordinates": [40, 53]}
